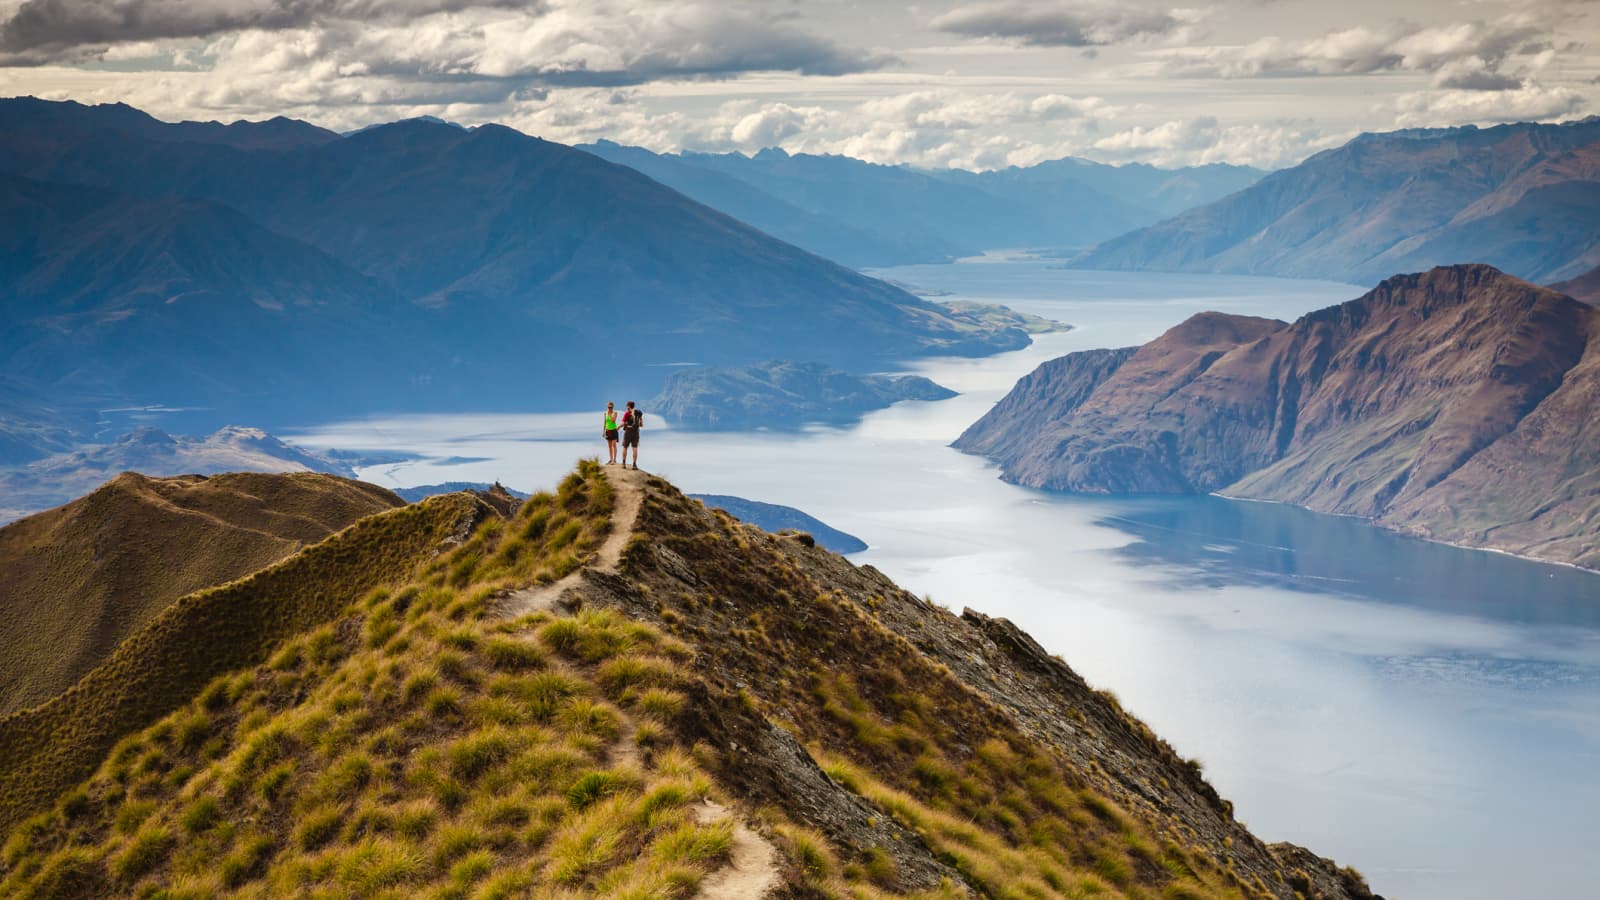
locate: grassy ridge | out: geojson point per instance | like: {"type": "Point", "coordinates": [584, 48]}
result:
{"type": "Point", "coordinates": [417, 743]}
{"type": "Point", "coordinates": [413, 742]}
{"type": "Point", "coordinates": [77, 580]}
{"type": "Point", "coordinates": [46, 749]}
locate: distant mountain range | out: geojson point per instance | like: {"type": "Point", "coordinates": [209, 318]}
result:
{"type": "Point", "coordinates": [56, 479]}
{"type": "Point", "coordinates": [1457, 405]}
{"type": "Point", "coordinates": [1524, 198]}
{"type": "Point", "coordinates": [279, 272]}
{"type": "Point", "coordinates": [864, 214]}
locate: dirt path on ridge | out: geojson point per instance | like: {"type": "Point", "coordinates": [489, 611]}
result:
{"type": "Point", "coordinates": [627, 486]}
{"type": "Point", "coordinates": [752, 868]}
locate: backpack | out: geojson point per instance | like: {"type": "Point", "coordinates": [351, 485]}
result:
{"type": "Point", "coordinates": [633, 419]}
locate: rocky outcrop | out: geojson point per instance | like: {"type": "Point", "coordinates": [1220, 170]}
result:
{"type": "Point", "coordinates": [782, 394]}
{"type": "Point", "coordinates": [1451, 405]}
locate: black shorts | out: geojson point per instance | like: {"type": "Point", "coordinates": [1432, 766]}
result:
{"type": "Point", "coordinates": [630, 437]}
{"type": "Point", "coordinates": [611, 434]}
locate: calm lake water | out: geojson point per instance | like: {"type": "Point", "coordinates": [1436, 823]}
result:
{"type": "Point", "coordinates": [1427, 714]}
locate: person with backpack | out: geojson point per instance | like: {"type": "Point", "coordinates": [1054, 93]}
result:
{"type": "Point", "coordinates": [609, 430]}
{"type": "Point", "coordinates": [632, 421]}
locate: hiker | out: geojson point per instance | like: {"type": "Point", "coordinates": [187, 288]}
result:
{"type": "Point", "coordinates": [632, 421]}
{"type": "Point", "coordinates": [609, 429]}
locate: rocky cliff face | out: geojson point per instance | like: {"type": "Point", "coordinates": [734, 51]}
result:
{"type": "Point", "coordinates": [1449, 404]}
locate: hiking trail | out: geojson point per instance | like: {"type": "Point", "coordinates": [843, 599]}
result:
{"type": "Point", "coordinates": [627, 486]}
{"type": "Point", "coordinates": [752, 867]}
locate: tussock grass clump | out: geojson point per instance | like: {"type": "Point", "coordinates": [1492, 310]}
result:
{"type": "Point", "coordinates": [410, 744]}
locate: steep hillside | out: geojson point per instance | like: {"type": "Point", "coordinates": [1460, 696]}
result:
{"type": "Point", "coordinates": [1524, 198]}
{"type": "Point", "coordinates": [374, 265]}
{"type": "Point", "coordinates": [77, 580]}
{"type": "Point", "coordinates": [181, 301]}
{"type": "Point", "coordinates": [165, 664]}
{"type": "Point", "coordinates": [616, 691]}
{"type": "Point", "coordinates": [1448, 404]}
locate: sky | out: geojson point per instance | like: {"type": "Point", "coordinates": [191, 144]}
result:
{"type": "Point", "coordinates": [976, 85]}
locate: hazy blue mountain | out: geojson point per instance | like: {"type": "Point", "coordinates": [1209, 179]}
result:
{"type": "Point", "coordinates": [50, 121]}
{"type": "Point", "coordinates": [1524, 198]}
{"type": "Point", "coordinates": [835, 239]}
{"type": "Point", "coordinates": [1145, 190]}
{"type": "Point", "coordinates": [775, 518]}
{"type": "Point", "coordinates": [409, 266]}
{"type": "Point", "coordinates": [904, 202]}
{"type": "Point", "coordinates": [113, 296]}
{"type": "Point", "coordinates": [861, 213]}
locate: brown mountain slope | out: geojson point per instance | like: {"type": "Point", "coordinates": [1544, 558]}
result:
{"type": "Point", "coordinates": [613, 691]}
{"type": "Point", "coordinates": [76, 580]}
{"type": "Point", "coordinates": [1522, 197]}
{"type": "Point", "coordinates": [1450, 404]}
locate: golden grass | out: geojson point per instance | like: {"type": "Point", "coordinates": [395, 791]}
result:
{"type": "Point", "coordinates": [45, 750]}
{"type": "Point", "coordinates": [71, 595]}
{"type": "Point", "coordinates": [479, 760]}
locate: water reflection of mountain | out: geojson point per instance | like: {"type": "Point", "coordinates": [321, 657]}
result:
{"type": "Point", "coordinates": [1224, 542]}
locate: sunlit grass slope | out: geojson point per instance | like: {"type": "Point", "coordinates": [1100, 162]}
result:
{"type": "Point", "coordinates": [412, 740]}
{"type": "Point", "coordinates": [77, 580]}
{"type": "Point", "coordinates": [45, 749]}
{"type": "Point", "coordinates": [413, 743]}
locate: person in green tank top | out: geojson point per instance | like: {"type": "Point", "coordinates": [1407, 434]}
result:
{"type": "Point", "coordinates": [609, 429]}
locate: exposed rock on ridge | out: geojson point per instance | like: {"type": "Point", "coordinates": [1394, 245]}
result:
{"type": "Point", "coordinates": [1451, 404]}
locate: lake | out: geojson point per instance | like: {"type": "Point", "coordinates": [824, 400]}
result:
{"type": "Point", "coordinates": [1427, 714]}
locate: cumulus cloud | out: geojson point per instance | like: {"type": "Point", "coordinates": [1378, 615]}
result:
{"type": "Point", "coordinates": [1064, 23]}
{"type": "Point", "coordinates": [1202, 140]}
{"type": "Point", "coordinates": [1530, 102]}
{"type": "Point", "coordinates": [51, 26]}
{"type": "Point", "coordinates": [1469, 55]}
{"type": "Point", "coordinates": [565, 42]}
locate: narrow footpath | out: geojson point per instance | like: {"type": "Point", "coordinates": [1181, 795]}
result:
{"type": "Point", "coordinates": [751, 870]}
